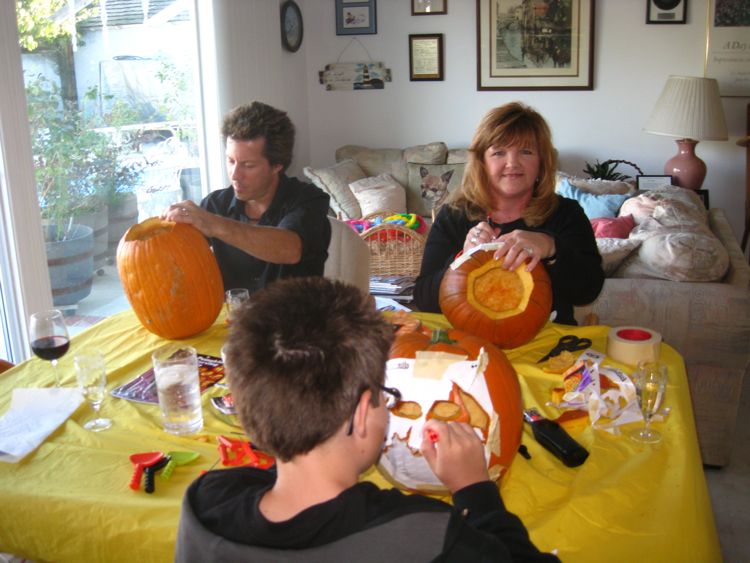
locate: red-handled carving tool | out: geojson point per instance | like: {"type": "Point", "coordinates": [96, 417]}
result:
{"type": "Point", "coordinates": [141, 461]}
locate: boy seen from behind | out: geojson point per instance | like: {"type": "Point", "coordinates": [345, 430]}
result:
{"type": "Point", "coordinates": [305, 360]}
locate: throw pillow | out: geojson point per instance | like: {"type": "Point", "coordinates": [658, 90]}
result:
{"type": "Point", "coordinates": [597, 185]}
{"type": "Point", "coordinates": [617, 227]}
{"type": "Point", "coordinates": [429, 185]}
{"type": "Point", "coordinates": [604, 205]}
{"type": "Point", "coordinates": [678, 255]}
{"type": "Point", "coordinates": [335, 181]}
{"type": "Point", "coordinates": [379, 193]}
{"type": "Point", "coordinates": [613, 251]}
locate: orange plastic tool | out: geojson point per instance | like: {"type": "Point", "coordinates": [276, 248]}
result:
{"type": "Point", "coordinates": [141, 461]}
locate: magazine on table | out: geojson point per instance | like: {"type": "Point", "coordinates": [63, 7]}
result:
{"type": "Point", "coordinates": [142, 389]}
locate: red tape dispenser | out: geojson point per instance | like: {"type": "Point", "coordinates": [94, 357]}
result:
{"type": "Point", "coordinates": [240, 452]}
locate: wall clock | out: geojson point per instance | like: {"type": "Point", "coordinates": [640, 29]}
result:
{"type": "Point", "coordinates": [291, 26]}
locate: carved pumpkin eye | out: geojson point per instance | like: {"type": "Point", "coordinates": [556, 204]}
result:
{"type": "Point", "coordinates": [407, 409]}
{"type": "Point", "coordinates": [444, 410]}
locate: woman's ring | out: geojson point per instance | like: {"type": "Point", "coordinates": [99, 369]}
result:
{"type": "Point", "coordinates": [529, 250]}
{"type": "Point", "coordinates": [473, 239]}
{"type": "Point", "coordinates": [184, 211]}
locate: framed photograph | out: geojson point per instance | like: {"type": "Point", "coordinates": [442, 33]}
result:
{"type": "Point", "coordinates": [426, 56]}
{"type": "Point", "coordinates": [727, 52]}
{"type": "Point", "coordinates": [429, 7]}
{"type": "Point", "coordinates": [356, 18]}
{"type": "Point", "coordinates": [666, 11]}
{"type": "Point", "coordinates": [650, 182]}
{"type": "Point", "coordinates": [525, 45]}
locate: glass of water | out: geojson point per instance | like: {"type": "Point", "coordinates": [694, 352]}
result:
{"type": "Point", "coordinates": [92, 379]}
{"type": "Point", "coordinates": [178, 386]}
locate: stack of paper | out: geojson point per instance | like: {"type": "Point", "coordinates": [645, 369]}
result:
{"type": "Point", "coordinates": [397, 287]}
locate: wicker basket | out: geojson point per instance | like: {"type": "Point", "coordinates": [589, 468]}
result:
{"type": "Point", "coordinates": [394, 250]}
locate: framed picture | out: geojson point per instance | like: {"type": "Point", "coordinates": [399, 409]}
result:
{"type": "Point", "coordinates": [525, 45]}
{"type": "Point", "coordinates": [666, 11]}
{"type": "Point", "coordinates": [429, 7]}
{"type": "Point", "coordinates": [727, 52]}
{"type": "Point", "coordinates": [650, 182]}
{"type": "Point", "coordinates": [356, 18]}
{"type": "Point", "coordinates": [426, 57]}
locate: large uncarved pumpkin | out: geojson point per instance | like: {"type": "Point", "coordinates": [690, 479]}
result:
{"type": "Point", "coordinates": [507, 307]}
{"type": "Point", "coordinates": [170, 277]}
{"type": "Point", "coordinates": [500, 427]}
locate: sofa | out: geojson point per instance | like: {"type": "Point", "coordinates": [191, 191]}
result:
{"type": "Point", "coordinates": [699, 303]}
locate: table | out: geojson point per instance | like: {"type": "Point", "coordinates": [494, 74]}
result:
{"type": "Point", "coordinates": [69, 500]}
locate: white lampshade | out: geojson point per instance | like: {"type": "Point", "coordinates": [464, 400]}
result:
{"type": "Point", "coordinates": [689, 107]}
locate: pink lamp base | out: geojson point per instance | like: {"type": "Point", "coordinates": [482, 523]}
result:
{"type": "Point", "coordinates": [687, 170]}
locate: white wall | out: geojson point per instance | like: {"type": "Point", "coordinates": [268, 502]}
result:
{"type": "Point", "coordinates": [252, 65]}
{"type": "Point", "coordinates": [632, 61]}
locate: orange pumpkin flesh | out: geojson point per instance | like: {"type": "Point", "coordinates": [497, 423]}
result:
{"type": "Point", "coordinates": [502, 385]}
{"type": "Point", "coordinates": [170, 277]}
{"type": "Point", "coordinates": [506, 307]}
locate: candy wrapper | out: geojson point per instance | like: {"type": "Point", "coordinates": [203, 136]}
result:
{"type": "Point", "coordinates": [607, 394]}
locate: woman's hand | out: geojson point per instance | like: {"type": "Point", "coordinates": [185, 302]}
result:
{"type": "Point", "coordinates": [524, 246]}
{"type": "Point", "coordinates": [455, 453]}
{"type": "Point", "coordinates": [479, 234]}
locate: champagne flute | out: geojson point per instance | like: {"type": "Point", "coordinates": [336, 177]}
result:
{"type": "Point", "coordinates": [234, 298]}
{"type": "Point", "coordinates": [92, 379]}
{"type": "Point", "coordinates": [49, 337]}
{"type": "Point", "coordinates": [650, 383]}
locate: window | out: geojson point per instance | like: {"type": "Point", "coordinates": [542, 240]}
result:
{"type": "Point", "coordinates": [112, 114]}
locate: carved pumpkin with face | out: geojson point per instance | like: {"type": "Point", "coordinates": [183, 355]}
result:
{"type": "Point", "coordinates": [471, 381]}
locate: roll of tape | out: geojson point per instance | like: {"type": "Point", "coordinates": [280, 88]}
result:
{"type": "Point", "coordinates": [633, 344]}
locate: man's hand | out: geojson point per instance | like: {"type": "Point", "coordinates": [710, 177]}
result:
{"type": "Point", "coordinates": [188, 212]}
{"type": "Point", "coordinates": [455, 453]}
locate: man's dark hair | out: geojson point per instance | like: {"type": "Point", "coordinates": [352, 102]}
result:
{"type": "Point", "coordinates": [299, 355]}
{"type": "Point", "coordinates": [256, 120]}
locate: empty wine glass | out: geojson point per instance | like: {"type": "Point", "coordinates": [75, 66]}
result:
{"type": "Point", "coordinates": [49, 337]}
{"type": "Point", "coordinates": [650, 381]}
{"type": "Point", "coordinates": [234, 298]}
{"type": "Point", "coordinates": [92, 379]}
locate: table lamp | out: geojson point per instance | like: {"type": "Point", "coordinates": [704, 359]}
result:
{"type": "Point", "coordinates": [689, 108]}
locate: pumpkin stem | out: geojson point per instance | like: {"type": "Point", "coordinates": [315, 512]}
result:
{"type": "Point", "coordinates": [440, 335]}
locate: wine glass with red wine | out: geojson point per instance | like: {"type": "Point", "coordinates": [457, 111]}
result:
{"type": "Point", "coordinates": [49, 337]}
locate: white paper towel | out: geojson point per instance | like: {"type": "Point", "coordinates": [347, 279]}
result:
{"type": "Point", "coordinates": [33, 415]}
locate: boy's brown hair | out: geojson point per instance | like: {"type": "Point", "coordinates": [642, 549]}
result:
{"type": "Point", "coordinates": [256, 120]}
{"type": "Point", "coordinates": [299, 355]}
{"type": "Point", "coordinates": [512, 124]}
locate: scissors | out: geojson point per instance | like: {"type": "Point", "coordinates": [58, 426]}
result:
{"type": "Point", "coordinates": [570, 343]}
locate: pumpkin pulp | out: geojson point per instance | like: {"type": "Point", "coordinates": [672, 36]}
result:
{"type": "Point", "coordinates": [499, 293]}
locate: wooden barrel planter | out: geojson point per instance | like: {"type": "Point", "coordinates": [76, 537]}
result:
{"type": "Point", "coordinates": [123, 214]}
{"type": "Point", "coordinates": [71, 264]}
{"type": "Point", "coordinates": [98, 220]}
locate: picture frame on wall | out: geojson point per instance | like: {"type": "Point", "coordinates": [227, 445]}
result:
{"type": "Point", "coordinates": [666, 11]}
{"type": "Point", "coordinates": [356, 18]}
{"type": "Point", "coordinates": [426, 56]}
{"type": "Point", "coordinates": [727, 48]}
{"type": "Point", "coordinates": [429, 7]}
{"type": "Point", "coordinates": [650, 181]}
{"type": "Point", "coordinates": [535, 45]}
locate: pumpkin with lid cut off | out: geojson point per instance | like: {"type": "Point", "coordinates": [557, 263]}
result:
{"type": "Point", "coordinates": [507, 307]}
{"type": "Point", "coordinates": [475, 384]}
{"type": "Point", "coordinates": [170, 277]}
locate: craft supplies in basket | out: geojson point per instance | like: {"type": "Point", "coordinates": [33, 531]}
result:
{"type": "Point", "coordinates": [394, 249]}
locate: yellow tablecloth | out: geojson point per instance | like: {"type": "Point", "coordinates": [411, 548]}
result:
{"type": "Point", "coordinates": [69, 500]}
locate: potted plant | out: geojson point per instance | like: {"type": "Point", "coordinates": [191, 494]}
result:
{"type": "Point", "coordinates": [79, 170]}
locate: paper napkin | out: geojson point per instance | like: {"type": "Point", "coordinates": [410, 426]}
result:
{"type": "Point", "coordinates": [33, 415]}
